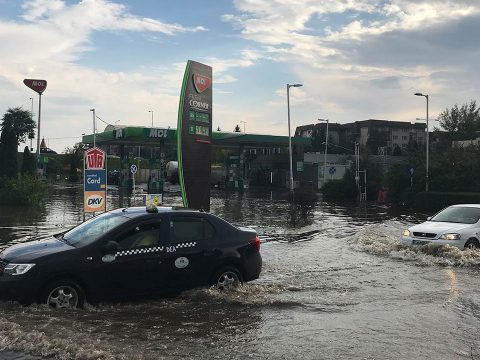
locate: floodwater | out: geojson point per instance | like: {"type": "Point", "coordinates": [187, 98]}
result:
{"type": "Point", "coordinates": [338, 287]}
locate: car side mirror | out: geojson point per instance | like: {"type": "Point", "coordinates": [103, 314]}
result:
{"type": "Point", "coordinates": [111, 247]}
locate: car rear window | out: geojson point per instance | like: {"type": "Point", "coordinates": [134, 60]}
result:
{"type": "Point", "coordinates": [186, 229]}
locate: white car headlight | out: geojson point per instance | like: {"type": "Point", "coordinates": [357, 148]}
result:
{"type": "Point", "coordinates": [17, 269]}
{"type": "Point", "coordinates": [450, 237]}
{"type": "Point", "coordinates": [406, 232]}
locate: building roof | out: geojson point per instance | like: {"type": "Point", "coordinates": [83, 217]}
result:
{"type": "Point", "coordinates": [134, 135]}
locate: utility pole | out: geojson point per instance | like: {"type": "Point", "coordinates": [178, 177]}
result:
{"type": "Point", "coordinates": [94, 127]}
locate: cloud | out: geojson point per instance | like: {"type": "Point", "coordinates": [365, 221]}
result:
{"type": "Point", "coordinates": [98, 15]}
{"type": "Point", "coordinates": [47, 42]}
{"type": "Point", "coordinates": [368, 60]}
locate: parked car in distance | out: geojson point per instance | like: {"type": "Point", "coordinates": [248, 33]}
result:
{"type": "Point", "coordinates": [127, 253]}
{"type": "Point", "coordinates": [457, 225]}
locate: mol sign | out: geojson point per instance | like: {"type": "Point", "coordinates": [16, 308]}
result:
{"type": "Point", "coordinates": [36, 85]}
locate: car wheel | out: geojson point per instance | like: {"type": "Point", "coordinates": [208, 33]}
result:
{"type": "Point", "coordinates": [472, 244]}
{"type": "Point", "coordinates": [228, 278]}
{"type": "Point", "coordinates": [63, 294]}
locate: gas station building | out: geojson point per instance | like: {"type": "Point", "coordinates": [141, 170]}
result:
{"type": "Point", "coordinates": [239, 160]}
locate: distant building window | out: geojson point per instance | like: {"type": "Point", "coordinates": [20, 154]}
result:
{"type": "Point", "coordinates": [395, 137]}
{"type": "Point", "coordinates": [404, 137]}
{"type": "Point", "coordinates": [404, 145]}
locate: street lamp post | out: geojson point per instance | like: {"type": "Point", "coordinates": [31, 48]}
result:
{"type": "Point", "coordinates": [151, 111]}
{"type": "Point", "coordinates": [289, 136]}
{"type": "Point", "coordinates": [326, 149]}
{"type": "Point", "coordinates": [94, 127]}
{"type": "Point", "coordinates": [243, 125]}
{"type": "Point", "coordinates": [427, 143]}
{"type": "Point", "coordinates": [31, 134]}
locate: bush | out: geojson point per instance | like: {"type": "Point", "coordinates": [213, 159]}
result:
{"type": "Point", "coordinates": [434, 201]}
{"type": "Point", "coordinates": [22, 191]}
{"type": "Point", "coordinates": [341, 190]}
{"type": "Point", "coordinates": [302, 206]}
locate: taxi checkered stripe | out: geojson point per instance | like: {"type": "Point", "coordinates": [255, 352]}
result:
{"type": "Point", "coordinates": [186, 245]}
{"type": "Point", "coordinates": [139, 251]}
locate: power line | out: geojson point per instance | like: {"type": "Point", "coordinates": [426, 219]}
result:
{"type": "Point", "coordinates": [98, 117]}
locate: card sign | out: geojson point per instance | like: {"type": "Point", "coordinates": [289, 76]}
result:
{"type": "Point", "coordinates": [194, 136]}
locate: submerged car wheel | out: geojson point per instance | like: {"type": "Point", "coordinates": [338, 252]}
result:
{"type": "Point", "coordinates": [63, 295]}
{"type": "Point", "coordinates": [472, 244]}
{"type": "Point", "coordinates": [228, 278]}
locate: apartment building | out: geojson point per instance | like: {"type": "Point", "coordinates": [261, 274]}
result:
{"type": "Point", "coordinates": [378, 135]}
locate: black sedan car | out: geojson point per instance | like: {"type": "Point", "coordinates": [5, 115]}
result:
{"type": "Point", "coordinates": [127, 253]}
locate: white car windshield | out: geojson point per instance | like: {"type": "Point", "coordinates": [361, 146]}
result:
{"type": "Point", "coordinates": [93, 229]}
{"type": "Point", "coordinates": [462, 215]}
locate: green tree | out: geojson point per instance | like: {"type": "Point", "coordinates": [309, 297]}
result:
{"type": "Point", "coordinates": [28, 162]}
{"type": "Point", "coordinates": [462, 123]}
{"type": "Point", "coordinates": [20, 122]}
{"type": "Point", "coordinates": [8, 153]}
{"type": "Point", "coordinates": [76, 158]}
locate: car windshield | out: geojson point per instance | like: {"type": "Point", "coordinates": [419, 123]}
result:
{"type": "Point", "coordinates": [463, 215]}
{"type": "Point", "coordinates": [93, 229]}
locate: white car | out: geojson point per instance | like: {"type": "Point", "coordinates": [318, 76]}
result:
{"type": "Point", "coordinates": [457, 225]}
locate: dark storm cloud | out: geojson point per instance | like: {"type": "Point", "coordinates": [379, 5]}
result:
{"type": "Point", "coordinates": [450, 44]}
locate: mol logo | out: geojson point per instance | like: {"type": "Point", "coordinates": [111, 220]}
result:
{"type": "Point", "coordinates": [36, 85]}
{"type": "Point", "coordinates": [158, 133]}
{"type": "Point", "coordinates": [201, 82]}
{"type": "Point", "coordinates": [95, 201]}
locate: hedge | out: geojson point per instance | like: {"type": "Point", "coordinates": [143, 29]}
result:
{"type": "Point", "coordinates": [435, 201]}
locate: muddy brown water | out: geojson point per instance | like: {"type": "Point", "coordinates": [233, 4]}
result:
{"type": "Point", "coordinates": [338, 287]}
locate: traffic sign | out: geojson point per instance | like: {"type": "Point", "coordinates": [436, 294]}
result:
{"type": "Point", "coordinates": [410, 170]}
{"type": "Point", "coordinates": [133, 169]}
{"type": "Point", "coordinates": [332, 170]}
{"type": "Point", "coordinates": [36, 85]}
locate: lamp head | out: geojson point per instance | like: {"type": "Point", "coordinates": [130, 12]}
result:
{"type": "Point", "coordinates": [92, 109]}
{"type": "Point", "coordinates": [418, 94]}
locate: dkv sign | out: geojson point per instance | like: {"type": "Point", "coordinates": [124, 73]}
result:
{"type": "Point", "coordinates": [95, 181]}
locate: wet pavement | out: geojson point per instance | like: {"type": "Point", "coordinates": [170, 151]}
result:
{"type": "Point", "coordinates": [340, 286]}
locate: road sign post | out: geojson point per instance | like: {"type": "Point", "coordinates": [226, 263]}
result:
{"type": "Point", "coordinates": [94, 181]}
{"type": "Point", "coordinates": [38, 86]}
{"type": "Point", "coordinates": [133, 170]}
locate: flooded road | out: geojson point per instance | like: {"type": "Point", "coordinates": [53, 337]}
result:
{"type": "Point", "coordinates": [338, 287]}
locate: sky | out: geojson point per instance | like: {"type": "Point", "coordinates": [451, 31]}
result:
{"type": "Point", "coordinates": [356, 59]}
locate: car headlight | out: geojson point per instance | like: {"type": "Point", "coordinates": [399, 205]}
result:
{"type": "Point", "coordinates": [406, 232]}
{"type": "Point", "coordinates": [450, 237]}
{"type": "Point", "coordinates": [17, 269]}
